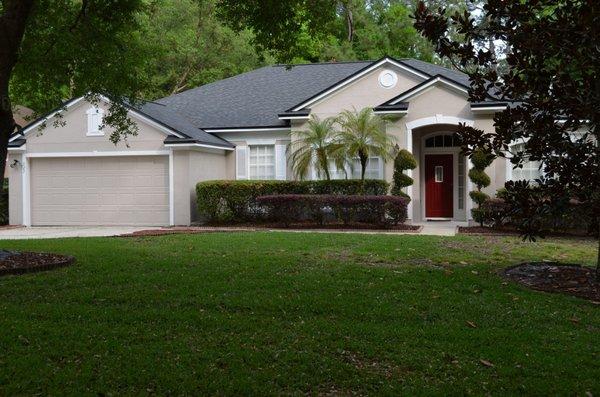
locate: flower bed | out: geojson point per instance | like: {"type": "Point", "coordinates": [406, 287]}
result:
{"type": "Point", "coordinates": [382, 211]}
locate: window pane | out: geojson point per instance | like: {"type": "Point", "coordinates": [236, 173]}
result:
{"type": "Point", "coordinates": [429, 142]}
{"type": "Point", "coordinates": [439, 173]}
{"type": "Point", "coordinates": [262, 162]}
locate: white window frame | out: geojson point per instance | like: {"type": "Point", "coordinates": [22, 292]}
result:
{"type": "Point", "coordinates": [273, 165]}
{"type": "Point", "coordinates": [95, 119]}
{"type": "Point", "coordinates": [510, 170]}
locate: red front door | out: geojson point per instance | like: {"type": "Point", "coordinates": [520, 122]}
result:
{"type": "Point", "coordinates": [439, 181]}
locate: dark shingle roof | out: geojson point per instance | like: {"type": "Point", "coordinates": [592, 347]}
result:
{"type": "Point", "coordinates": [255, 99]}
{"type": "Point", "coordinates": [170, 119]}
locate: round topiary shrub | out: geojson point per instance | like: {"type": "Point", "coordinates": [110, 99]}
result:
{"type": "Point", "coordinates": [480, 159]}
{"type": "Point", "coordinates": [404, 161]}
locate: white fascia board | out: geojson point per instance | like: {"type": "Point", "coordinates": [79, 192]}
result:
{"type": "Point", "coordinates": [130, 111]}
{"type": "Point", "coordinates": [200, 145]}
{"type": "Point", "coordinates": [425, 87]}
{"type": "Point", "coordinates": [19, 149]}
{"type": "Point", "coordinates": [295, 118]}
{"type": "Point", "coordinates": [488, 109]}
{"type": "Point", "coordinates": [265, 129]}
{"type": "Point", "coordinates": [356, 77]}
{"type": "Point", "coordinates": [45, 119]}
{"type": "Point", "coordinates": [390, 112]}
{"type": "Point", "coordinates": [117, 153]}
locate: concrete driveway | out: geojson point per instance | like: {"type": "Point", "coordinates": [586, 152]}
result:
{"type": "Point", "coordinates": [39, 232]}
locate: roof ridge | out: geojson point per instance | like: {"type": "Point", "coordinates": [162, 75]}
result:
{"type": "Point", "coordinates": [321, 63]}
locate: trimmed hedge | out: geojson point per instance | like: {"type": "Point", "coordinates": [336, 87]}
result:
{"type": "Point", "coordinates": [384, 211]}
{"type": "Point", "coordinates": [235, 201]}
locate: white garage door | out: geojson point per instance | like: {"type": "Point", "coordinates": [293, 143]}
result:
{"type": "Point", "coordinates": [100, 191]}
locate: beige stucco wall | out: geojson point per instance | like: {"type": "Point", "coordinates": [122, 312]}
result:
{"type": "Point", "coordinates": [205, 166]}
{"type": "Point", "coordinates": [437, 101]}
{"type": "Point", "coordinates": [189, 166]}
{"type": "Point", "coordinates": [71, 137]}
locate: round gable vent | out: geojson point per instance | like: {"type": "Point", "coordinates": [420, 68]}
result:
{"type": "Point", "coordinates": [388, 79]}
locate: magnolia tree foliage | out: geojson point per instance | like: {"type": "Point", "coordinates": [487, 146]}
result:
{"type": "Point", "coordinates": [404, 161]}
{"type": "Point", "coordinates": [551, 74]}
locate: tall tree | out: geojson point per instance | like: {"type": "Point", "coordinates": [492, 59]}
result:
{"type": "Point", "coordinates": [192, 47]}
{"type": "Point", "coordinates": [54, 49]}
{"type": "Point", "coordinates": [552, 70]}
{"type": "Point", "coordinates": [329, 30]}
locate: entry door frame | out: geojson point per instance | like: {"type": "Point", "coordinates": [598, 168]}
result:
{"type": "Point", "coordinates": [26, 177]}
{"type": "Point", "coordinates": [455, 152]}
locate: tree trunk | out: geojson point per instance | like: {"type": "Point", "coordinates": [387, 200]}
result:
{"type": "Point", "coordinates": [349, 21]}
{"type": "Point", "coordinates": [364, 158]}
{"type": "Point", "coordinates": [324, 163]}
{"type": "Point", "coordinates": [13, 21]}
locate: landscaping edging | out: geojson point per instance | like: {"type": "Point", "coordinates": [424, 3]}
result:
{"type": "Point", "coordinates": [32, 262]}
{"type": "Point", "coordinates": [569, 279]}
{"type": "Point", "coordinates": [411, 229]}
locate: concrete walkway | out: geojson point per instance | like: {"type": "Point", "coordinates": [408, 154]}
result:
{"type": "Point", "coordinates": [26, 233]}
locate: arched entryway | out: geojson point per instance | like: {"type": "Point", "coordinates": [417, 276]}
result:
{"type": "Point", "coordinates": [440, 190]}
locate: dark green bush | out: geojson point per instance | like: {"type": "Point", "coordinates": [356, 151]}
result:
{"type": "Point", "coordinates": [235, 201]}
{"type": "Point", "coordinates": [404, 161]}
{"type": "Point", "coordinates": [383, 211]}
{"type": "Point", "coordinates": [481, 159]}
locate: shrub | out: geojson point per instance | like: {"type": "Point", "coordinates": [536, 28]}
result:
{"type": "Point", "coordinates": [481, 160]}
{"type": "Point", "coordinates": [381, 211]}
{"type": "Point", "coordinates": [404, 161]}
{"type": "Point", "coordinates": [235, 201]}
{"type": "Point", "coordinates": [493, 212]}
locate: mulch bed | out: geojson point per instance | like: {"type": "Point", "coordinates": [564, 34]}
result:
{"type": "Point", "coordinates": [486, 230]}
{"type": "Point", "coordinates": [576, 280]}
{"type": "Point", "coordinates": [31, 262]}
{"type": "Point", "coordinates": [247, 228]}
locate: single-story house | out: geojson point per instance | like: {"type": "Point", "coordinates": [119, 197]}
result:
{"type": "Point", "coordinates": [69, 173]}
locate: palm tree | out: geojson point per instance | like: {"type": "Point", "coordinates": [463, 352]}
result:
{"type": "Point", "coordinates": [318, 142]}
{"type": "Point", "coordinates": [362, 135]}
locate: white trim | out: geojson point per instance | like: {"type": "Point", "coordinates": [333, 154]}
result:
{"type": "Point", "coordinates": [26, 190]}
{"type": "Point", "coordinates": [187, 145]}
{"type": "Point", "coordinates": [17, 149]}
{"type": "Point", "coordinates": [427, 86]}
{"type": "Point", "coordinates": [171, 189]}
{"type": "Point", "coordinates": [469, 187]}
{"type": "Point", "coordinates": [260, 141]}
{"type": "Point", "coordinates": [294, 117]}
{"type": "Point", "coordinates": [241, 150]}
{"type": "Point", "coordinates": [410, 126]}
{"type": "Point", "coordinates": [356, 77]}
{"type": "Point", "coordinates": [437, 119]}
{"type": "Point", "coordinates": [488, 109]}
{"type": "Point", "coordinates": [388, 85]}
{"type": "Point", "coordinates": [26, 178]}
{"type": "Point", "coordinates": [99, 154]}
{"type": "Point", "coordinates": [218, 130]}
{"type": "Point", "coordinates": [390, 111]}
{"type": "Point", "coordinates": [45, 119]}
{"type": "Point", "coordinates": [130, 111]}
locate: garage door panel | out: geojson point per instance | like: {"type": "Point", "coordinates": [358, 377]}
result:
{"type": "Point", "coordinates": [100, 191]}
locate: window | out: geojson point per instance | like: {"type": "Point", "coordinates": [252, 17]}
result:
{"type": "Point", "coordinates": [531, 169]}
{"type": "Point", "coordinates": [439, 173]}
{"type": "Point", "coordinates": [443, 141]}
{"type": "Point", "coordinates": [95, 117]}
{"type": "Point", "coordinates": [262, 162]}
{"type": "Point", "coordinates": [374, 169]}
{"type": "Point", "coordinates": [335, 172]}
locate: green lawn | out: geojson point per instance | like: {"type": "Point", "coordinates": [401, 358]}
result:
{"type": "Point", "coordinates": [287, 313]}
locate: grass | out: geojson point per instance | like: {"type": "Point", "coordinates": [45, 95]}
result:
{"type": "Point", "coordinates": [285, 313]}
